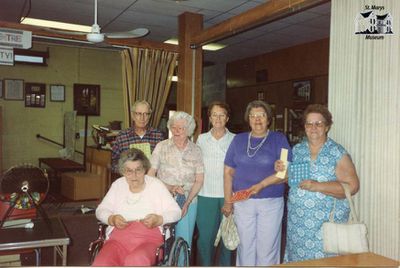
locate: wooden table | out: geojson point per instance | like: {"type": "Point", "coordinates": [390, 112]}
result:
{"type": "Point", "coordinates": [40, 236]}
{"type": "Point", "coordinates": [353, 260]}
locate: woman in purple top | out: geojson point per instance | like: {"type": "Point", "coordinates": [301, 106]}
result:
{"type": "Point", "coordinates": [249, 165]}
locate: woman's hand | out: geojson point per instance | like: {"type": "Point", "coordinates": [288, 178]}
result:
{"type": "Point", "coordinates": [152, 220]}
{"type": "Point", "coordinates": [118, 221]}
{"type": "Point", "coordinates": [310, 185]}
{"type": "Point", "coordinates": [227, 209]}
{"type": "Point", "coordinates": [177, 189]}
{"type": "Point", "coordinates": [279, 165]}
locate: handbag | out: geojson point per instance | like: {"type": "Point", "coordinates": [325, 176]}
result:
{"type": "Point", "coordinates": [345, 238]}
{"type": "Point", "coordinates": [228, 231]}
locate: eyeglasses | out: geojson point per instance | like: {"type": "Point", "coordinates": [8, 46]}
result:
{"type": "Point", "coordinates": [137, 114]}
{"type": "Point", "coordinates": [317, 124]}
{"type": "Point", "coordinates": [257, 115]}
{"type": "Point", "coordinates": [215, 116]}
{"type": "Point", "coordinates": [136, 171]}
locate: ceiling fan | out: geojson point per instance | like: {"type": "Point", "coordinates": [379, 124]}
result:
{"type": "Point", "coordinates": [96, 36]}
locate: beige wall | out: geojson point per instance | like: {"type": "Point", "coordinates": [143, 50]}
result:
{"type": "Point", "coordinates": [66, 66]}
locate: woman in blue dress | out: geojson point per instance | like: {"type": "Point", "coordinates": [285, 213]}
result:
{"type": "Point", "coordinates": [319, 166]}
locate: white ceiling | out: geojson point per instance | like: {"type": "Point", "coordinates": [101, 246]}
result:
{"type": "Point", "coordinates": [160, 17]}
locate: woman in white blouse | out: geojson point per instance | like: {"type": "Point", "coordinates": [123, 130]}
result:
{"type": "Point", "coordinates": [214, 145]}
{"type": "Point", "coordinates": [135, 208]}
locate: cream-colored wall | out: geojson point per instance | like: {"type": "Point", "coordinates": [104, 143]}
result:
{"type": "Point", "coordinates": [66, 66]}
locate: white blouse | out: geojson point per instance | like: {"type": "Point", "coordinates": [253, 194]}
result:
{"type": "Point", "coordinates": [213, 152]}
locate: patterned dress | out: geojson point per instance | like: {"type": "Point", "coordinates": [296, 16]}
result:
{"type": "Point", "coordinates": [307, 211]}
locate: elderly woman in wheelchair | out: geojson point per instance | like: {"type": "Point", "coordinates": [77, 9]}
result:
{"type": "Point", "coordinates": [136, 207]}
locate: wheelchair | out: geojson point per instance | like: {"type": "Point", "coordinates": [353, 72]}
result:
{"type": "Point", "coordinates": [173, 252]}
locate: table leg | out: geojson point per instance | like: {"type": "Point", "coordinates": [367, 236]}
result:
{"type": "Point", "coordinates": [62, 253]}
{"type": "Point", "coordinates": [55, 255]}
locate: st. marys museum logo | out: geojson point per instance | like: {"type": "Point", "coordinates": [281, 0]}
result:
{"type": "Point", "coordinates": [374, 22]}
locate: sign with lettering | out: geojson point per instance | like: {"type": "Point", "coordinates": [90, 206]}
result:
{"type": "Point", "coordinates": [6, 56]}
{"type": "Point", "coordinates": [15, 38]}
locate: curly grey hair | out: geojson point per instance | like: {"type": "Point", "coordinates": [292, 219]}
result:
{"type": "Point", "coordinates": [133, 155]}
{"type": "Point", "coordinates": [190, 123]}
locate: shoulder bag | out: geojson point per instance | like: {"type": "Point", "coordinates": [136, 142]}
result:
{"type": "Point", "coordinates": [345, 238]}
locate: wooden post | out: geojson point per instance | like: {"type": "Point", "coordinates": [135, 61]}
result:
{"type": "Point", "coordinates": [190, 68]}
{"type": "Point", "coordinates": [85, 141]}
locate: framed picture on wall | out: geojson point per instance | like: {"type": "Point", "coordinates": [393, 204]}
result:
{"type": "Point", "coordinates": [13, 89]}
{"type": "Point", "coordinates": [35, 95]}
{"type": "Point", "coordinates": [87, 99]}
{"type": "Point", "coordinates": [302, 90]}
{"type": "Point", "coordinates": [260, 95]}
{"type": "Point", "coordinates": [57, 93]}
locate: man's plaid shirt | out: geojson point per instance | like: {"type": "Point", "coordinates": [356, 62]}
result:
{"type": "Point", "coordinates": [127, 137]}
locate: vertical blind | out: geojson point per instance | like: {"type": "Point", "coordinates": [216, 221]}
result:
{"type": "Point", "coordinates": [364, 98]}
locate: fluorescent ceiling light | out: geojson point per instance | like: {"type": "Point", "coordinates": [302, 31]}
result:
{"type": "Point", "coordinates": [211, 46]}
{"type": "Point", "coordinates": [30, 59]}
{"type": "Point", "coordinates": [57, 25]}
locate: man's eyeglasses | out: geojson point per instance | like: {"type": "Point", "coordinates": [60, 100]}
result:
{"type": "Point", "coordinates": [137, 114]}
{"type": "Point", "coordinates": [257, 115]}
{"type": "Point", "coordinates": [317, 124]}
{"type": "Point", "coordinates": [136, 171]}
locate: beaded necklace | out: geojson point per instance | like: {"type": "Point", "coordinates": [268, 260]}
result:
{"type": "Point", "coordinates": [256, 148]}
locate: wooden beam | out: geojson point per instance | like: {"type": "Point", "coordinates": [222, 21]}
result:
{"type": "Point", "coordinates": [190, 64]}
{"type": "Point", "coordinates": [130, 42]}
{"type": "Point", "coordinates": [262, 14]}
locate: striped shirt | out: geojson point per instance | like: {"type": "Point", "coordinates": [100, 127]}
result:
{"type": "Point", "coordinates": [213, 152]}
{"type": "Point", "coordinates": [127, 137]}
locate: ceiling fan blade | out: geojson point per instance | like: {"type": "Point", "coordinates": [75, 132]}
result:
{"type": "Point", "coordinates": [139, 32]}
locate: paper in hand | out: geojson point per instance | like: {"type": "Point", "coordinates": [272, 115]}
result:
{"type": "Point", "coordinates": [284, 157]}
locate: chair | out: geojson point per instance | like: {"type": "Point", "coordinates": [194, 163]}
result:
{"type": "Point", "coordinates": [173, 251]}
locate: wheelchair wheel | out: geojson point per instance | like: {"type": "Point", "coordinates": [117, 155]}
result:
{"type": "Point", "coordinates": [94, 250]}
{"type": "Point", "coordinates": [179, 255]}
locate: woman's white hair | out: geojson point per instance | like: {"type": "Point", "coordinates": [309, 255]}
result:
{"type": "Point", "coordinates": [190, 123]}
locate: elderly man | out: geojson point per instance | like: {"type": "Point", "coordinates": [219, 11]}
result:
{"type": "Point", "coordinates": [140, 132]}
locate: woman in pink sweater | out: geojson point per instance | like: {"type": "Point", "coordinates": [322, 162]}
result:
{"type": "Point", "coordinates": [135, 208]}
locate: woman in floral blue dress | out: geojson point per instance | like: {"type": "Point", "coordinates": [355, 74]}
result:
{"type": "Point", "coordinates": [319, 165]}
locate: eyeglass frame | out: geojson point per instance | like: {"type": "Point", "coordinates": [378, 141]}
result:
{"type": "Point", "coordinates": [216, 116]}
{"type": "Point", "coordinates": [138, 114]}
{"type": "Point", "coordinates": [258, 115]}
{"type": "Point", "coordinates": [317, 124]}
{"type": "Point", "coordinates": [136, 171]}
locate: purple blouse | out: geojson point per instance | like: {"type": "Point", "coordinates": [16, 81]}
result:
{"type": "Point", "coordinates": [251, 170]}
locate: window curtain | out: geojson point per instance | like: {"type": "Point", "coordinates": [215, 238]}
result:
{"type": "Point", "coordinates": [364, 99]}
{"type": "Point", "coordinates": [147, 75]}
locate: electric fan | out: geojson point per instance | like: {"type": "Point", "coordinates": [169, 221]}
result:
{"type": "Point", "coordinates": [24, 187]}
